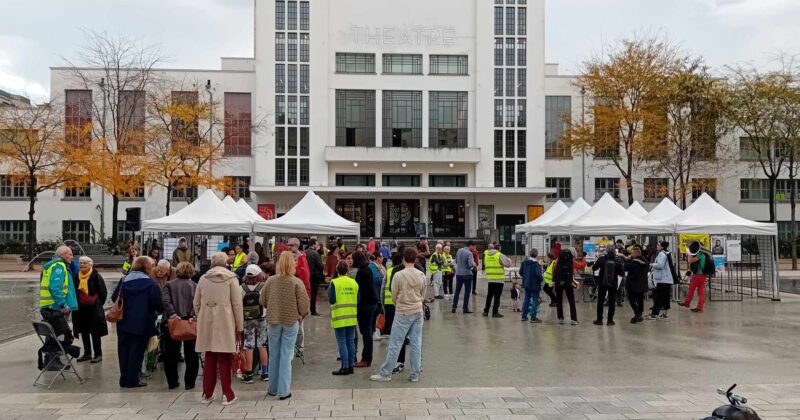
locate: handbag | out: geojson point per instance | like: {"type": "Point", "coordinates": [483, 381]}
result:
{"type": "Point", "coordinates": [651, 281]}
{"type": "Point", "coordinates": [85, 299]}
{"type": "Point", "coordinates": [182, 329]}
{"type": "Point", "coordinates": [238, 360]}
{"type": "Point", "coordinates": [152, 344]}
{"type": "Point", "coordinates": [380, 323]}
{"type": "Point", "coordinates": [116, 312]}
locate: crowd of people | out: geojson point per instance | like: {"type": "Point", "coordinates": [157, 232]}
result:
{"type": "Point", "coordinates": [246, 309]}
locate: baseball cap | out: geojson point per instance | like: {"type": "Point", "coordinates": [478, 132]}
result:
{"type": "Point", "coordinates": [252, 270]}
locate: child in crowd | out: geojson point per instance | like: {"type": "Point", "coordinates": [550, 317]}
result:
{"type": "Point", "coordinates": [515, 298]}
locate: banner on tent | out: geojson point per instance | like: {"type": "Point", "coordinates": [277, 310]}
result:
{"type": "Point", "coordinates": [267, 211]}
{"type": "Point", "coordinates": [685, 239]}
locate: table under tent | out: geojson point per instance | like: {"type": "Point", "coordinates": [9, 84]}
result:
{"type": "Point", "coordinates": [746, 263]}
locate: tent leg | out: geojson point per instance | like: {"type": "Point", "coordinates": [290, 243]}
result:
{"type": "Point", "coordinates": [776, 281]}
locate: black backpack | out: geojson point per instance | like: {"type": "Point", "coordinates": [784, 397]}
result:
{"type": "Point", "coordinates": [708, 269]}
{"type": "Point", "coordinates": [610, 274]}
{"type": "Point", "coordinates": [563, 271]}
{"type": "Point", "coordinates": [673, 270]}
{"type": "Point", "coordinates": [252, 308]}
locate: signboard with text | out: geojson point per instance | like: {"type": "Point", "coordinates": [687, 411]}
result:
{"type": "Point", "coordinates": [267, 211]}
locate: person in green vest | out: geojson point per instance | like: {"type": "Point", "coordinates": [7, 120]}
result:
{"type": "Point", "coordinates": [494, 264]}
{"type": "Point", "coordinates": [133, 252]}
{"type": "Point", "coordinates": [343, 297]}
{"type": "Point", "coordinates": [436, 264]}
{"type": "Point", "coordinates": [548, 280]}
{"type": "Point", "coordinates": [447, 272]}
{"type": "Point", "coordinates": [240, 259]}
{"type": "Point", "coordinates": [57, 294]}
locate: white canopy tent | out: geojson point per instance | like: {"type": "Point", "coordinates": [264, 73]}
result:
{"type": "Point", "coordinates": [207, 214]}
{"type": "Point", "coordinates": [311, 215]}
{"type": "Point", "coordinates": [705, 215]}
{"type": "Point", "coordinates": [637, 210]}
{"type": "Point", "coordinates": [665, 210]}
{"type": "Point", "coordinates": [551, 214]}
{"type": "Point", "coordinates": [607, 217]}
{"type": "Point", "coordinates": [241, 208]}
{"type": "Point", "coordinates": [246, 209]}
{"type": "Point", "coordinates": [579, 207]}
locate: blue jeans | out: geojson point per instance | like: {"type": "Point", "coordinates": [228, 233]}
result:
{"type": "Point", "coordinates": [403, 325]}
{"type": "Point", "coordinates": [346, 339]}
{"type": "Point", "coordinates": [531, 304]}
{"type": "Point", "coordinates": [464, 281]}
{"type": "Point", "coordinates": [281, 352]}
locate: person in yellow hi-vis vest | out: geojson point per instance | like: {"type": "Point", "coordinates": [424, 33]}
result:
{"type": "Point", "coordinates": [343, 297]}
{"type": "Point", "coordinates": [447, 272]}
{"type": "Point", "coordinates": [57, 295]}
{"type": "Point", "coordinates": [435, 266]}
{"type": "Point", "coordinates": [548, 286]}
{"type": "Point", "coordinates": [240, 259]}
{"type": "Point", "coordinates": [494, 264]}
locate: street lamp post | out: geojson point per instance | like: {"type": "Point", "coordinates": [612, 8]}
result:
{"type": "Point", "coordinates": [583, 153]}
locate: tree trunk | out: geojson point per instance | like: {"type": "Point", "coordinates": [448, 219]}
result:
{"type": "Point", "coordinates": [114, 218]}
{"type": "Point", "coordinates": [31, 213]}
{"type": "Point", "coordinates": [793, 204]}
{"type": "Point", "coordinates": [772, 181]}
{"type": "Point", "coordinates": [169, 194]}
{"type": "Point", "coordinates": [683, 193]}
{"type": "Point", "coordinates": [629, 188]}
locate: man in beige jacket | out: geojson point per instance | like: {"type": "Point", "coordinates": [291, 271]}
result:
{"type": "Point", "coordinates": [220, 322]}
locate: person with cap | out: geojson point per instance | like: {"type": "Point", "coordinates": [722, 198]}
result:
{"type": "Point", "coordinates": [465, 264]}
{"type": "Point", "coordinates": [255, 322]}
{"type": "Point", "coordinates": [181, 253]}
{"type": "Point", "coordinates": [252, 259]}
{"type": "Point", "coordinates": [343, 297]}
{"type": "Point", "coordinates": [697, 262]}
{"type": "Point", "coordinates": [664, 276]}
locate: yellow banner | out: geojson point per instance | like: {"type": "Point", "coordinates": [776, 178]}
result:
{"type": "Point", "coordinates": [686, 238]}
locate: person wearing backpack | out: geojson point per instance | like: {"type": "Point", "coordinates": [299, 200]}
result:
{"type": "Point", "coordinates": [609, 268]}
{"type": "Point", "coordinates": [665, 276]}
{"type": "Point", "coordinates": [701, 266]}
{"type": "Point", "coordinates": [255, 322]}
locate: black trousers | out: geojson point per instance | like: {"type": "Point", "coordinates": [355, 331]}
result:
{"type": "Point", "coordinates": [637, 303]}
{"type": "Point", "coordinates": [130, 349]}
{"type": "Point", "coordinates": [661, 297]}
{"type": "Point", "coordinates": [474, 281]}
{"type": "Point", "coordinates": [447, 281]}
{"type": "Point", "coordinates": [548, 290]}
{"type": "Point", "coordinates": [173, 353]}
{"type": "Point", "coordinates": [389, 312]}
{"type": "Point", "coordinates": [314, 292]}
{"type": "Point", "coordinates": [494, 293]}
{"type": "Point", "coordinates": [570, 292]}
{"type": "Point", "coordinates": [91, 342]}
{"type": "Point", "coordinates": [604, 292]}
{"type": "Point", "coordinates": [58, 321]}
{"type": "Point", "coordinates": [365, 327]}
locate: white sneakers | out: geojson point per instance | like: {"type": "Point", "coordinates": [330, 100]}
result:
{"type": "Point", "coordinates": [380, 378]}
{"type": "Point", "coordinates": [206, 400]}
{"type": "Point", "coordinates": [231, 402]}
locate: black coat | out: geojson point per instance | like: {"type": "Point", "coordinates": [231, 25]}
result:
{"type": "Point", "coordinates": [637, 269]}
{"type": "Point", "coordinates": [315, 266]}
{"type": "Point", "coordinates": [92, 319]}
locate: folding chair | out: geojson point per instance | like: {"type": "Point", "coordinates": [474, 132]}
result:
{"type": "Point", "coordinates": [45, 331]}
{"type": "Point", "coordinates": [299, 353]}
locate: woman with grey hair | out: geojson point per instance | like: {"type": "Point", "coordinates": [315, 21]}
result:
{"type": "Point", "coordinates": [252, 258]}
{"type": "Point", "coordinates": [163, 272]}
{"type": "Point", "coordinates": [89, 320]}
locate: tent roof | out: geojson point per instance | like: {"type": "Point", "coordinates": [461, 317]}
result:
{"type": "Point", "coordinates": [579, 207]}
{"type": "Point", "coordinates": [705, 215]}
{"type": "Point", "coordinates": [207, 214]}
{"type": "Point", "coordinates": [552, 213]}
{"type": "Point", "coordinates": [664, 211]}
{"type": "Point", "coordinates": [310, 215]}
{"type": "Point", "coordinates": [637, 210]}
{"type": "Point", "coordinates": [607, 217]}
{"type": "Point", "coordinates": [246, 209]}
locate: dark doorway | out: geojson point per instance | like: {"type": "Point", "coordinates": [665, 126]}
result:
{"type": "Point", "coordinates": [400, 218]}
{"type": "Point", "coordinates": [446, 218]}
{"type": "Point", "coordinates": [359, 211]}
{"type": "Point", "coordinates": [505, 229]}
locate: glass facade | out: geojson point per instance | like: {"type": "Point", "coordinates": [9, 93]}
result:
{"type": "Point", "coordinates": [355, 118]}
{"type": "Point", "coordinates": [359, 211]}
{"type": "Point", "coordinates": [402, 64]}
{"type": "Point", "coordinates": [449, 64]}
{"type": "Point", "coordinates": [557, 110]}
{"type": "Point", "coordinates": [238, 123]}
{"type": "Point", "coordinates": [402, 118]}
{"type": "Point", "coordinates": [355, 63]}
{"type": "Point", "coordinates": [448, 119]}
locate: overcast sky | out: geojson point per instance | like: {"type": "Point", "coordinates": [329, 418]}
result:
{"type": "Point", "coordinates": [36, 34]}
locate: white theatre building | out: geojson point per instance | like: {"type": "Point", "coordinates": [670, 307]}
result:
{"type": "Point", "coordinates": [409, 117]}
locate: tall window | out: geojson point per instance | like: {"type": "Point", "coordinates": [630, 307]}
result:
{"type": "Point", "coordinates": [280, 78]}
{"type": "Point", "coordinates": [280, 14]}
{"type": "Point", "coordinates": [402, 118]}
{"type": "Point", "coordinates": [510, 19]}
{"type": "Point", "coordinates": [510, 86]}
{"type": "Point", "coordinates": [498, 173]}
{"type": "Point", "coordinates": [522, 82]}
{"type": "Point", "coordinates": [522, 52]}
{"type": "Point", "coordinates": [510, 174]}
{"type": "Point", "coordinates": [291, 111]}
{"type": "Point", "coordinates": [704, 185]}
{"type": "Point", "coordinates": [522, 19]}
{"type": "Point", "coordinates": [15, 230]}
{"type": "Point", "coordinates": [304, 172]}
{"type": "Point", "coordinates": [510, 56]}
{"type": "Point", "coordinates": [130, 121]}
{"type": "Point", "coordinates": [280, 109]}
{"type": "Point", "coordinates": [280, 171]}
{"type": "Point", "coordinates": [280, 47]}
{"type": "Point", "coordinates": [238, 123]}
{"type": "Point", "coordinates": [291, 172]}
{"type": "Point", "coordinates": [291, 148]}
{"type": "Point", "coordinates": [557, 111]}
{"type": "Point", "coordinates": [448, 119]}
{"type": "Point", "coordinates": [77, 116]}
{"type": "Point", "coordinates": [521, 143]}
{"type": "Point", "coordinates": [449, 64]}
{"type": "Point", "coordinates": [498, 51]}
{"type": "Point", "coordinates": [291, 54]}
{"type": "Point", "coordinates": [563, 188]}
{"type": "Point", "coordinates": [291, 85]}
{"type": "Point", "coordinates": [355, 63]}
{"type": "Point", "coordinates": [305, 56]}
{"type": "Point", "coordinates": [498, 112]}
{"type": "Point", "coordinates": [355, 118]}
{"type": "Point", "coordinates": [292, 15]}
{"type": "Point", "coordinates": [606, 185]}
{"type": "Point", "coordinates": [304, 110]}
{"type": "Point", "coordinates": [304, 16]}
{"type": "Point", "coordinates": [510, 144]}
{"type": "Point", "coordinates": [239, 186]}
{"type": "Point", "coordinates": [185, 125]}
{"type": "Point", "coordinates": [78, 192]}
{"type": "Point", "coordinates": [304, 141]}
{"type": "Point", "coordinates": [13, 188]}
{"type": "Point", "coordinates": [77, 230]}
{"type": "Point", "coordinates": [498, 143]}
{"type": "Point", "coordinates": [522, 116]}
{"type": "Point", "coordinates": [498, 21]}
{"type": "Point", "coordinates": [510, 113]}
{"type": "Point", "coordinates": [402, 63]}
{"type": "Point", "coordinates": [656, 188]}
{"type": "Point", "coordinates": [522, 172]}
{"type": "Point", "coordinates": [498, 82]}
{"type": "Point", "coordinates": [280, 141]}
{"type": "Point", "coordinates": [304, 78]}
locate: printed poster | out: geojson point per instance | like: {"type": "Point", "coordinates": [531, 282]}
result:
{"type": "Point", "coordinates": [734, 248]}
{"type": "Point", "coordinates": [685, 239]}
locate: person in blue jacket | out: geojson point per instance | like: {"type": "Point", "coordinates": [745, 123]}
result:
{"type": "Point", "coordinates": [531, 273]}
{"type": "Point", "coordinates": [141, 299]}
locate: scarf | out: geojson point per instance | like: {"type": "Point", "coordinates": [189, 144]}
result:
{"type": "Point", "coordinates": [83, 283]}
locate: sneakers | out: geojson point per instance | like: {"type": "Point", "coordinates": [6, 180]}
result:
{"type": "Point", "coordinates": [225, 401]}
{"type": "Point", "coordinates": [377, 336]}
{"type": "Point", "coordinates": [560, 322]}
{"type": "Point", "coordinates": [414, 379]}
{"type": "Point", "coordinates": [206, 400]}
{"type": "Point", "coordinates": [574, 323]}
{"type": "Point", "coordinates": [524, 319]}
{"type": "Point", "coordinates": [598, 322]}
{"type": "Point", "coordinates": [697, 311]}
{"type": "Point", "coordinates": [398, 368]}
{"type": "Point", "coordinates": [664, 317]}
{"type": "Point", "coordinates": [684, 304]}
{"type": "Point", "coordinates": [607, 323]}
{"type": "Point", "coordinates": [497, 316]}
{"type": "Point", "coordinates": [536, 321]}
{"type": "Point", "coordinates": [265, 377]}
{"type": "Point", "coordinates": [247, 378]}
{"type": "Point", "coordinates": [650, 317]}
{"type": "Point", "coordinates": [380, 378]}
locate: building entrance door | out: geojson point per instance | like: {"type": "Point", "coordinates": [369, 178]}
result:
{"type": "Point", "coordinates": [446, 218]}
{"type": "Point", "coordinates": [505, 229]}
{"type": "Point", "coordinates": [359, 211]}
{"type": "Point", "coordinates": [400, 218]}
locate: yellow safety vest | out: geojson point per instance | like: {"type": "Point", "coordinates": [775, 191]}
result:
{"type": "Point", "coordinates": [240, 260]}
{"type": "Point", "coordinates": [45, 297]}
{"type": "Point", "coordinates": [387, 291]}
{"type": "Point", "coordinates": [495, 273]}
{"type": "Point", "coordinates": [344, 312]}
{"type": "Point", "coordinates": [432, 266]}
{"type": "Point", "coordinates": [126, 266]}
{"type": "Point", "coordinates": [548, 274]}
{"type": "Point", "coordinates": [447, 268]}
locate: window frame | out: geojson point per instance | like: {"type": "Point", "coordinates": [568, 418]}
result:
{"type": "Point", "coordinates": [355, 63]}
{"type": "Point", "coordinates": [563, 186]}
{"type": "Point", "coordinates": [439, 62]}
{"type": "Point", "coordinates": [604, 187]}
{"type": "Point", "coordinates": [416, 180]}
{"type": "Point", "coordinates": [460, 180]}
{"type": "Point", "coordinates": [345, 97]}
{"type": "Point", "coordinates": [412, 61]}
{"type": "Point", "coordinates": [442, 103]}
{"type": "Point", "coordinates": [408, 103]}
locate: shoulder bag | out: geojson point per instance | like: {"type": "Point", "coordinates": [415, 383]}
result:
{"type": "Point", "coordinates": [117, 309]}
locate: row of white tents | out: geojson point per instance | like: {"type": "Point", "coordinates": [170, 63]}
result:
{"type": "Point", "coordinates": [210, 215]}
{"type": "Point", "coordinates": [608, 217]}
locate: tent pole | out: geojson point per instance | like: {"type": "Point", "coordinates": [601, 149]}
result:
{"type": "Point", "coordinates": [776, 287]}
